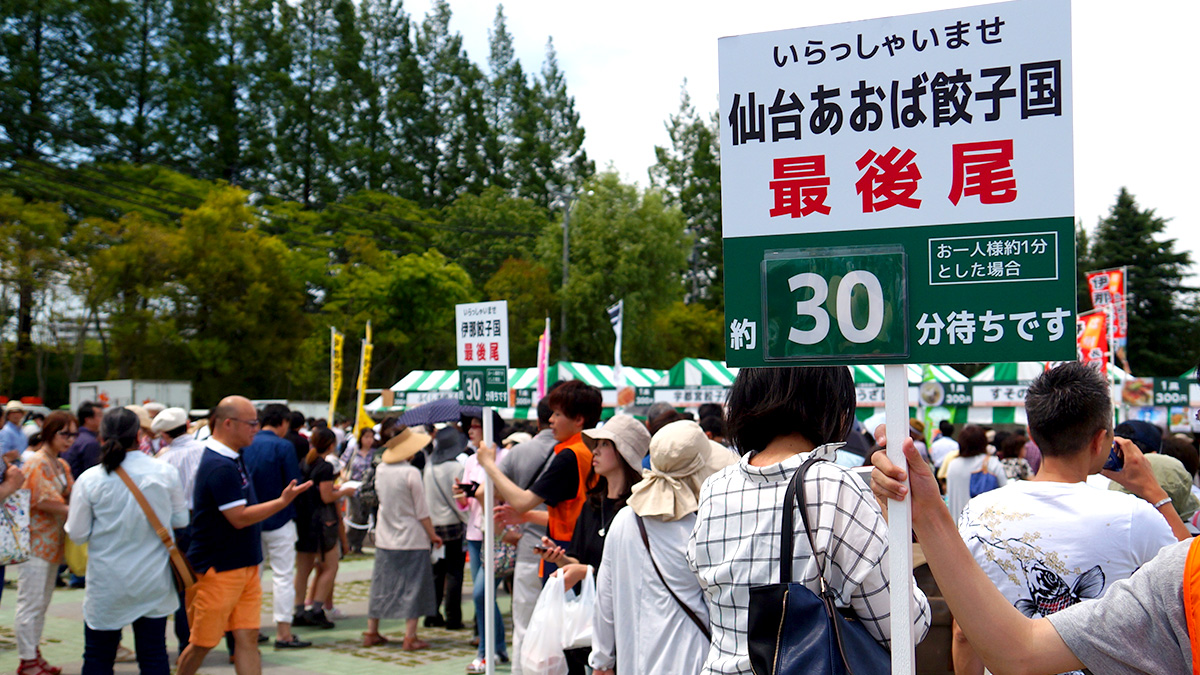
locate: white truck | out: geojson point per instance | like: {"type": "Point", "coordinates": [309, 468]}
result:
{"type": "Point", "coordinates": [116, 393]}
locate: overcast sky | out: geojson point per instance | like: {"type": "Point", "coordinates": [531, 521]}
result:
{"type": "Point", "coordinates": [1135, 93]}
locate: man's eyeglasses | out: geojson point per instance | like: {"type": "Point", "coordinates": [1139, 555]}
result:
{"type": "Point", "coordinates": [249, 423]}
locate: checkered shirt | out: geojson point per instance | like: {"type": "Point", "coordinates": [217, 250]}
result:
{"type": "Point", "coordinates": [735, 545]}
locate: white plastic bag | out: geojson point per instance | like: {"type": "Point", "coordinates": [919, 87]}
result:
{"type": "Point", "coordinates": [541, 651]}
{"type": "Point", "coordinates": [577, 614]}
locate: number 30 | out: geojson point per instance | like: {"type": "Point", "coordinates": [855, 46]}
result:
{"type": "Point", "coordinates": [845, 319]}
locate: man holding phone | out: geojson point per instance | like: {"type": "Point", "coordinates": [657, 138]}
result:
{"type": "Point", "coordinates": [1054, 541]}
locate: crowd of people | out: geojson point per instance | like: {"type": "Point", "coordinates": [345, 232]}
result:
{"type": "Point", "coordinates": [1049, 544]}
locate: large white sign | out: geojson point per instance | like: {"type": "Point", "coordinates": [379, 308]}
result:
{"type": "Point", "coordinates": [481, 329]}
{"type": "Point", "coordinates": [956, 116]}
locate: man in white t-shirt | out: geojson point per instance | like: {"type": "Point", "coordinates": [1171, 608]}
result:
{"type": "Point", "coordinates": [1054, 541]}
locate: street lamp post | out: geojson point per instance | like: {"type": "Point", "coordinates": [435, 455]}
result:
{"type": "Point", "coordinates": [568, 197]}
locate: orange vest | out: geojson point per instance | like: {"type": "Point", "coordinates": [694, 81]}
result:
{"type": "Point", "coordinates": [564, 514]}
{"type": "Point", "coordinates": [1191, 600]}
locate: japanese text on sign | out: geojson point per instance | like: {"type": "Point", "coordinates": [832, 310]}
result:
{"type": "Point", "coordinates": [1000, 258]}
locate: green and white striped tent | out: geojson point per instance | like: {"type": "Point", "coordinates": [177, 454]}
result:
{"type": "Point", "coordinates": [873, 374]}
{"type": "Point", "coordinates": [420, 386]}
{"type": "Point", "coordinates": [1189, 375]}
{"type": "Point", "coordinates": [698, 373]}
{"type": "Point", "coordinates": [1024, 371]}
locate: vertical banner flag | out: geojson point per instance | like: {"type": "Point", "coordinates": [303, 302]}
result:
{"type": "Point", "coordinates": [336, 340]}
{"type": "Point", "coordinates": [616, 316]}
{"type": "Point", "coordinates": [363, 420]}
{"type": "Point", "coordinates": [1092, 338]}
{"type": "Point", "coordinates": [1108, 289]}
{"type": "Point", "coordinates": [543, 361]}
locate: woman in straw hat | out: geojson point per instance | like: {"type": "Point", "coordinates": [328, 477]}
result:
{"type": "Point", "coordinates": [618, 449]}
{"type": "Point", "coordinates": [779, 418]}
{"type": "Point", "coordinates": [644, 622]}
{"type": "Point", "coordinates": [402, 579]}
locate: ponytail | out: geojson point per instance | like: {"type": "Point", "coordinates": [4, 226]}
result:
{"type": "Point", "coordinates": [321, 442]}
{"type": "Point", "coordinates": [119, 430]}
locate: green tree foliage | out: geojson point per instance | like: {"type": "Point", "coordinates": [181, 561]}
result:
{"type": "Point", "coordinates": [1164, 326]}
{"type": "Point", "coordinates": [526, 287]}
{"type": "Point", "coordinates": [485, 230]}
{"type": "Point", "coordinates": [689, 172]}
{"type": "Point", "coordinates": [624, 244]}
{"type": "Point", "coordinates": [684, 330]}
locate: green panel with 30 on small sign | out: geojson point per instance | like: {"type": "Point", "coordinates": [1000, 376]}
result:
{"type": "Point", "coordinates": [1009, 297]}
{"type": "Point", "coordinates": [483, 385]}
{"type": "Point", "coordinates": [831, 303]}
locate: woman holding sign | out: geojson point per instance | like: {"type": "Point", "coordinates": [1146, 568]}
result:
{"type": "Point", "coordinates": [778, 418]}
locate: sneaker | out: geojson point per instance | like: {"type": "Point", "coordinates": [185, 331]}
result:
{"type": "Point", "coordinates": [479, 665]}
{"type": "Point", "coordinates": [335, 614]}
{"type": "Point", "coordinates": [318, 619]}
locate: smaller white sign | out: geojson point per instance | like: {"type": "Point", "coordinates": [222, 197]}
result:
{"type": "Point", "coordinates": [481, 330]}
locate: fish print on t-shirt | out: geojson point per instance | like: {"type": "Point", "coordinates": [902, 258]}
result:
{"type": "Point", "coordinates": [1051, 593]}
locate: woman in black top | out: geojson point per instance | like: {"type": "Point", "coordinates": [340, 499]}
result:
{"type": "Point", "coordinates": [618, 449]}
{"type": "Point", "coordinates": [317, 529]}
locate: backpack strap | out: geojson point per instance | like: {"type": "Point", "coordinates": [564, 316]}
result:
{"type": "Point", "coordinates": [682, 605]}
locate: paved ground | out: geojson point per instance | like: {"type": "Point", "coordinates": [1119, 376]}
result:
{"type": "Point", "coordinates": [334, 651]}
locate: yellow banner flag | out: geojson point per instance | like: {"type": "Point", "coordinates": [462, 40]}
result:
{"type": "Point", "coordinates": [335, 370]}
{"type": "Point", "coordinates": [362, 419]}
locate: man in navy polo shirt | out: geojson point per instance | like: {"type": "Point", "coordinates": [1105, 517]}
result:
{"type": "Point", "coordinates": [226, 547]}
{"type": "Point", "coordinates": [271, 461]}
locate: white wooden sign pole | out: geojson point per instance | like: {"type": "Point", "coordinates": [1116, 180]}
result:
{"type": "Point", "coordinates": [489, 555]}
{"type": "Point", "coordinates": [904, 656]}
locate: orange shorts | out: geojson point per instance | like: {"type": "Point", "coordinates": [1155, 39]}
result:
{"type": "Point", "coordinates": [223, 601]}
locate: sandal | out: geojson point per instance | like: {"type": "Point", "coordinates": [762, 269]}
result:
{"type": "Point", "coordinates": [373, 639]}
{"type": "Point", "coordinates": [414, 645]}
{"type": "Point", "coordinates": [53, 670]}
{"type": "Point", "coordinates": [32, 667]}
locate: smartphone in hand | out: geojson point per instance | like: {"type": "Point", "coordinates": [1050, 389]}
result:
{"type": "Point", "coordinates": [1116, 460]}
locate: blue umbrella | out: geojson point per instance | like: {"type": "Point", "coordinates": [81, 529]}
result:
{"type": "Point", "coordinates": [440, 410]}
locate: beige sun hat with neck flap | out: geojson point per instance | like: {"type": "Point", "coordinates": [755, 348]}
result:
{"type": "Point", "coordinates": [681, 459]}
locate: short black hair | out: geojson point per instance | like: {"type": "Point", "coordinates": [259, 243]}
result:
{"type": "Point", "coordinates": [1066, 406]}
{"type": "Point", "coordinates": [296, 420]}
{"type": "Point", "coordinates": [176, 432]}
{"type": "Point", "coordinates": [972, 442]}
{"type": "Point", "coordinates": [577, 399]}
{"type": "Point", "coordinates": [709, 410]}
{"type": "Point", "coordinates": [713, 425]}
{"type": "Point", "coordinates": [544, 411]}
{"type": "Point", "coordinates": [946, 428]}
{"type": "Point", "coordinates": [816, 402]}
{"type": "Point", "coordinates": [87, 410]}
{"type": "Point", "coordinates": [274, 414]}
{"type": "Point", "coordinates": [1010, 447]}
{"type": "Point", "coordinates": [1182, 450]}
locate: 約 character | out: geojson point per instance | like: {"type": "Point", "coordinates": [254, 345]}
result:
{"type": "Point", "coordinates": [889, 180]}
{"type": "Point", "coordinates": [800, 186]}
{"type": "Point", "coordinates": [984, 169]}
{"type": "Point", "coordinates": [931, 329]}
{"type": "Point", "coordinates": [955, 35]}
{"type": "Point", "coordinates": [989, 32]}
{"type": "Point", "coordinates": [867, 114]}
{"type": "Point", "coordinates": [828, 115]}
{"type": "Point", "coordinates": [997, 93]}
{"type": "Point", "coordinates": [747, 122]}
{"type": "Point", "coordinates": [743, 334]}
{"type": "Point", "coordinates": [1041, 92]}
{"type": "Point", "coordinates": [786, 120]}
{"type": "Point", "coordinates": [951, 93]}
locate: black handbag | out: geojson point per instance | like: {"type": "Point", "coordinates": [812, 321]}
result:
{"type": "Point", "coordinates": [793, 630]}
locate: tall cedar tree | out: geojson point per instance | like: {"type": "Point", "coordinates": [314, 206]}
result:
{"type": "Point", "coordinates": [689, 171]}
{"type": "Point", "coordinates": [1163, 324]}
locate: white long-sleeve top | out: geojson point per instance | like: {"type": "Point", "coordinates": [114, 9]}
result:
{"type": "Point", "coordinates": [635, 617]}
{"type": "Point", "coordinates": [128, 574]}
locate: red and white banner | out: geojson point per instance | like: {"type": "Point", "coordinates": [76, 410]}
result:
{"type": "Point", "coordinates": [1108, 288]}
{"type": "Point", "coordinates": [1092, 340]}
